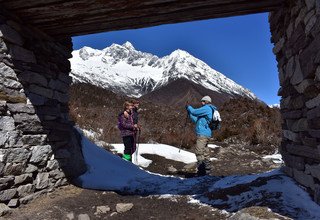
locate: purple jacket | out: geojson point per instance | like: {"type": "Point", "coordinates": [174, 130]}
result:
{"type": "Point", "coordinates": [125, 125]}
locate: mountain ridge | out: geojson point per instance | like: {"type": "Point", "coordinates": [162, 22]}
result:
{"type": "Point", "coordinates": [181, 91]}
{"type": "Point", "coordinates": [123, 69]}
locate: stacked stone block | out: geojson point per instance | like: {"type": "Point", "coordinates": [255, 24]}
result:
{"type": "Point", "coordinates": [39, 149]}
{"type": "Point", "coordinates": [296, 35]}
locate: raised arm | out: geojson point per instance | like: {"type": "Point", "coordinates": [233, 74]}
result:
{"type": "Point", "coordinates": [193, 118]}
{"type": "Point", "coordinates": [198, 111]}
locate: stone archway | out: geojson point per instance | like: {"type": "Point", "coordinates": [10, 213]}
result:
{"type": "Point", "coordinates": [38, 147]}
{"type": "Point", "coordinates": [296, 35]}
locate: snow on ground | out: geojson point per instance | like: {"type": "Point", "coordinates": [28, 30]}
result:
{"type": "Point", "coordinates": [276, 158]}
{"type": "Point", "coordinates": [163, 150]}
{"type": "Point", "coordinates": [280, 193]}
{"type": "Point", "coordinates": [90, 133]}
{"type": "Point", "coordinates": [213, 146]}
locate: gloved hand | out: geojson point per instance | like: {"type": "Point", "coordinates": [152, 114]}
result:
{"type": "Point", "coordinates": [187, 105]}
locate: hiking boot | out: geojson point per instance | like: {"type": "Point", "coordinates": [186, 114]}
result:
{"type": "Point", "coordinates": [203, 168]}
{"type": "Point", "coordinates": [127, 157]}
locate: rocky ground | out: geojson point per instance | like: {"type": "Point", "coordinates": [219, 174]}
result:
{"type": "Point", "coordinates": [70, 202]}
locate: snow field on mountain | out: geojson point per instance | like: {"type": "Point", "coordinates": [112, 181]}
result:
{"type": "Point", "coordinates": [121, 68]}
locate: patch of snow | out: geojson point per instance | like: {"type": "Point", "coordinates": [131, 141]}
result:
{"type": "Point", "coordinates": [276, 158]}
{"type": "Point", "coordinates": [90, 134]}
{"type": "Point", "coordinates": [109, 172]}
{"type": "Point", "coordinates": [163, 150]}
{"type": "Point", "coordinates": [213, 146]}
{"type": "Point", "coordinates": [274, 106]}
{"type": "Point", "coordinates": [173, 198]}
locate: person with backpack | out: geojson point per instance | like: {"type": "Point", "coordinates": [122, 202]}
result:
{"type": "Point", "coordinates": [135, 117]}
{"type": "Point", "coordinates": [127, 130]}
{"type": "Point", "coordinates": [135, 111]}
{"type": "Point", "coordinates": [202, 117]}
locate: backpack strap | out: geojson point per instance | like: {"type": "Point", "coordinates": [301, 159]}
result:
{"type": "Point", "coordinates": [212, 114]}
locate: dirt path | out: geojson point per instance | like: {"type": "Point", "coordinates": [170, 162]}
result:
{"type": "Point", "coordinates": [71, 199]}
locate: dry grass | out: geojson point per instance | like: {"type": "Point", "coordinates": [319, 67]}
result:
{"type": "Point", "coordinates": [97, 109]}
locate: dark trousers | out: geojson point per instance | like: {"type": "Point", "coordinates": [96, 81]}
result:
{"type": "Point", "coordinates": [129, 144]}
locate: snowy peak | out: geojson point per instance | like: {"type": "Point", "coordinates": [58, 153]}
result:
{"type": "Point", "coordinates": [128, 45]}
{"type": "Point", "coordinates": [122, 68]}
{"type": "Point", "coordinates": [180, 54]}
{"type": "Point", "coordinates": [86, 52]}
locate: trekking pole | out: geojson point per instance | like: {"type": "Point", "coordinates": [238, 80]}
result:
{"type": "Point", "coordinates": [137, 148]}
{"type": "Point", "coordinates": [184, 131]}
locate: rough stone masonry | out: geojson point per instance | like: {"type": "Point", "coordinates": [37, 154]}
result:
{"type": "Point", "coordinates": [296, 35]}
{"type": "Point", "coordinates": [39, 149]}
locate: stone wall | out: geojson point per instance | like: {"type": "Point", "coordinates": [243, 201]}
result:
{"type": "Point", "coordinates": [39, 149]}
{"type": "Point", "coordinates": [296, 36]}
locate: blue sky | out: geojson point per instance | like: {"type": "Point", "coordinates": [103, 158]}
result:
{"type": "Point", "coordinates": [239, 47]}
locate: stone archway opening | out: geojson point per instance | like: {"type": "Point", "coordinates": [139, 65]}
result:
{"type": "Point", "coordinates": [35, 45]}
{"type": "Point", "coordinates": [162, 131]}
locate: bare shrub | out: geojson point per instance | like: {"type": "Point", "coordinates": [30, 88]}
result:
{"type": "Point", "coordinates": [97, 109]}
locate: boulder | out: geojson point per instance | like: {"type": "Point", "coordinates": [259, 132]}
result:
{"type": "Point", "coordinates": [300, 125]}
{"type": "Point", "coordinates": [13, 203]}
{"type": "Point", "coordinates": [31, 168]}
{"type": "Point", "coordinates": [6, 123]}
{"type": "Point", "coordinates": [33, 78]}
{"type": "Point", "coordinates": [31, 140]}
{"type": "Point", "coordinates": [6, 195]}
{"type": "Point", "coordinates": [123, 207]}
{"type": "Point", "coordinates": [10, 35]}
{"type": "Point", "coordinates": [102, 209]}
{"type": "Point", "coordinates": [14, 169]}
{"type": "Point", "coordinates": [35, 99]}
{"type": "Point", "coordinates": [40, 153]}
{"type": "Point", "coordinates": [313, 102]}
{"type": "Point", "coordinates": [291, 135]}
{"type": "Point", "coordinates": [3, 47]}
{"type": "Point", "coordinates": [304, 179]}
{"type": "Point", "coordinates": [70, 216]}
{"type": "Point", "coordinates": [22, 54]}
{"type": "Point", "coordinates": [297, 76]}
{"type": "Point", "coordinates": [42, 180]}
{"type": "Point", "coordinates": [21, 108]}
{"type": "Point", "coordinates": [18, 155]}
{"type": "Point", "coordinates": [4, 209]}
{"type": "Point", "coordinates": [25, 190]}
{"type": "Point", "coordinates": [42, 91]}
{"type": "Point", "coordinates": [83, 217]}
{"type": "Point", "coordinates": [24, 178]}
{"type": "Point", "coordinates": [313, 170]}
{"type": "Point", "coordinates": [7, 72]}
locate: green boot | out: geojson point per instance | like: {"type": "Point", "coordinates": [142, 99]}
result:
{"type": "Point", "coordinates": [127, 157]}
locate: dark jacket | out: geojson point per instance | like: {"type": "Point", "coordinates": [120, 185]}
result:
{"type": "Point", "coordinates": [125, 125]}
{"type": "Point", "coordinates": [135, 115]}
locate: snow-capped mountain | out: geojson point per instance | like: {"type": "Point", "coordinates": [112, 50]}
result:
{"type": "Point", "coordinates": [121, 68]}
{"type": "Point", "coordinates": [274, 106]}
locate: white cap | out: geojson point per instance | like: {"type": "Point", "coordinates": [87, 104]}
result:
{"type": "Point", "coordinates": [206, 99]}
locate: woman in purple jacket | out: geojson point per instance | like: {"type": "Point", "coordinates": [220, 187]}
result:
{"type": "Point", "coordinates": [127, 130]}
